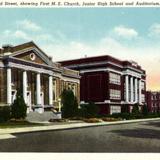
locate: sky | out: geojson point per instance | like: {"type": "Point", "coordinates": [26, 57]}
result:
{"type": "Point", "coordinates": [65, 33]}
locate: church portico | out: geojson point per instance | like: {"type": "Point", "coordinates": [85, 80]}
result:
{"type": "Point", "coordinates": [36, 88]}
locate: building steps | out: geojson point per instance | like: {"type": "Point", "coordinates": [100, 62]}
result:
{"type": "Point", "coordinates": [45, 116]}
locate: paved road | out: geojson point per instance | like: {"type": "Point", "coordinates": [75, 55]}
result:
{"type": "Point", "coordinates": [134, 137]}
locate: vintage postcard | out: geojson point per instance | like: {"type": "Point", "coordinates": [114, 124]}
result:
{"type": "Point", "coordinates": [80, 77]}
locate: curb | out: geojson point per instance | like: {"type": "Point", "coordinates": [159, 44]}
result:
{"type": "Point", "coordinates": [69, 126]}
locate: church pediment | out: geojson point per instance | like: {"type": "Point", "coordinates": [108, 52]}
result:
{"type": "Point", "coordinates": [30, 52]}
{"type": "Point", "coordinates": [31, 56]}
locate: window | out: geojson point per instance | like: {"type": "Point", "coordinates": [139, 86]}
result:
{"type": "Point", "coordinates": [32, 56]}
{"type": "Point", "coordinates": [154, 97]}
{"type": "Point", "coordinates": [115, 109]}
{"type": "Point", "coordinates": [114, 78]}
{"type": "Point", "coordinates": [115, 94]}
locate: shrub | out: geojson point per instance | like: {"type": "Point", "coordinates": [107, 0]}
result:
{"type": "Point", "coordinates": [145, 110]}
{"type": "Point", "coordinates": [69, 104]}
{"type": "Point", "coordinates": [126, 116]}
{"type": "Point", "coordinates": [89, 110]}
{"type": "Point", "coordinates": [76, 118]}
{"type": "Point", "coordinates": [4, 113]}
{"type": "Point", "coordinates": [135, 109]}
{"type": "Point", "coordinates": [151, 115]}
{"type": "Point", "coordinates": [110, 119]}
{"type": "Point", "coordinates": [18, 108]}
{"type": "Point", "coordinates": [92, 120]}
{"type": "Point", "coordinates": [82, 112]}
{"type": "Point", "coordinates": [138, 116]}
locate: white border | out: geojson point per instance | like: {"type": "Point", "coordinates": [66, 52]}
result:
{"type": "Point", "coordinates": [78, 156]}
{"type": "Point", "coordinates": [78, 3]}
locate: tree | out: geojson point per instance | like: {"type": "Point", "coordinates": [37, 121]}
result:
{"type": "Point", "coordinates": [136, 112]}
{"type": "Point", "coordinates": [18, 108]}
{"type": "Point", "coordinates": [69, 104]}
{"type": "Point", "coordinates": [135, 109]}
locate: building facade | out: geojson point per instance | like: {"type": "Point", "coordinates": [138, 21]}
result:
{"type": "Point", "coordinates": [153, 101]}
{"type": "Point", "coordinates": [27, 69]}
{"type": "Point", "coordinates": [109, 82]}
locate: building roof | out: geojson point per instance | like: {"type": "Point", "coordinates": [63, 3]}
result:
{"type": "Point", "coordinates": [16, 48]}
{"type": "Point", "coordinates": [102, 58]}
{"type": "Point", "coordinates": [13, 52]}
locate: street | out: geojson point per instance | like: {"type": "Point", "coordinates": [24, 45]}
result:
{"type": "Point", "coordinates": [133, 137]}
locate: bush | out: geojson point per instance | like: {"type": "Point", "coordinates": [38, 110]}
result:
{"type": "Point", "coordinates": [18, 108]}
{"type": "Point", "coordinates": [82, 112]}
{"type": "Point", "coordinates": [110, 119]}
{"type": "Point", "coordinates": [152, 115]}
{"type": "Point", "coordinates": [4, 114]}
{"type": "Point", "coordinates": [76, 118]}
{"type": "Point", "coordinates": [69, 104]}
{"type": "Point", "coordinates": [138, 116]}
{"type": "Point", "coordinates": [126, 116]}
{"type": "Point", "coordinates": [135, 110]}
{"type": "Point", "coordinates": [92, 120]}
{"type": "Point", "coordinates": [145, 110]}
{"type": "Point", "coordinates": [89, 110]}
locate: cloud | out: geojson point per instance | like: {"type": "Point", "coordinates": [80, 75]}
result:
{"type": "Point", "coordinates": [154, 30]}
{"type": "Point", "coordinates": [17, 34]}
{"type": "Point", "coordinates": [21, 35]}
{"type": "Point", "coordinates": [6, 32]}
{"type": "Point", "coordinates": [28, 25]}
{"type": "Point", "coordinates": [125, 32]}
{"type": "Point", "coordinates": [23, 30]}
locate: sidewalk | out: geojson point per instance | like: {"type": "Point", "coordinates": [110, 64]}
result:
{"type": "Point", "coordinates": [70, 125]}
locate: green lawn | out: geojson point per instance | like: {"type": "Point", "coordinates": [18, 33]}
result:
{"type": "Point", "coordinates": [17, 124]}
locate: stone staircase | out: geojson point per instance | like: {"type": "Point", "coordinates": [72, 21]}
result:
{"type": "Point", "coordinates": [42, 117]}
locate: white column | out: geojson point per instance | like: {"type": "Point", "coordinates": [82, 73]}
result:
{"type": "Point", "coordinates": [9, 86]}
{"type": "Point", "coordinates": [25, 86]}
{"type": "Point", "coordinates": [131, 84]}
{"type": "Point", "coordinates": [136, 95]}
{"type": "Point", "coordinates": [50, 90]}
{"type": "Point", "coordinates": [140, 90]}
{"type": "Point", "coordinates": [126, 86]}
{"type": "Point", "coordinates": [59, 105]}
{"type": "Point", "coordinates": [38, 89]}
